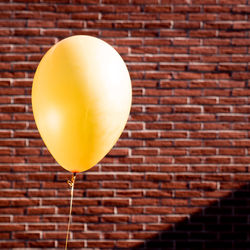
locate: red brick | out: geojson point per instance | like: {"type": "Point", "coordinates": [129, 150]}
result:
{"type": "Point", "coordinates": [5, 236]}
{"type": "Point", "coordinates": [100, 193]}
{"type": "Point", "coordinates": [173, 169]}
{"type": "Point", "coordinates": [145, 135]}
{"type": "Point", "coordinates": [128, 193]}
{"type": "Point", "coordinates": [26, 236]}
{"type": "Point", "coordinates": [130, 227]}
{"type": "Point", "coordinates": [203, 50]}
{"type": "Point", "coordinates": [187, 25]}
{"type": "Point", "coordinates": [5, 134]}
{"type": "Point", "coordinates": [12, 227]}
{"type": "Point", "coordinates": [12, 245]}
{"type": "Point", "coordinates": [185, 126]}
{"type": "Point", "coordinates": [217, 160]}
{"type": "Point", "coordinates": [115, 218]}
{"type": "Point", "coordinates": [172, 151]}
{"type": "Point", "coordinates": [135, 177]}
{"type": "Point", "coordinates": [158, 143]}
{"type": "Point", "coordinates": [216, 194]}
{"type": "Point", "coordinates": [145, 152]}
{"type": "Point", "coordinates": [202, 17]}
{"type": "Point", "coordinates": [174, 202]}
{"type": "Point", "coordinates": [158, 126]}
{"type": "Point", "coordinates": [241, 9]}
{"type": "Point", "coordinates": [188, 92]}
{"type": "Point", "coordinates": [100, 177]}
{"type": "Point", "coordinates": [172, 50]}
{"type": "Point", "coordinates": [204, 168]}
{"type": "Point", "coordinates": [187, 194]}
{"type": "Point", "coordinates": [217, 8]}
{"type": "Point", "coordinates": [129, 210]}
{"type": "Point", "coordinates": [240, 160]}
{"type": "Point", "coordinates": [229, 50]}
{"type": "Point", "coordinates": [216, 92]}
{"type": "Point", "coordinates": [181, 177]}
{"type": "Point", "coordinates": [187, 75]}
{"type": "Point", "coordinates": [215, 58]}
{"type": "Point", "coordinates": [201, 67]}
{"type": "Point", "coordinates": [186, 9]}
{"type": "Point", "coordinates": [145, 184]}
{"type": "Point", "coordinates": [102, 244]}
{"type": "Point", "coordinates": [186, 109]}
{"type": "Point", "coordinates": [241, 177]}
{"type": "Point", "coordinates": [187, 160]}
{"type": "Point", "coordinates": [174, 117]}
{"type": "Point", "coordinates": [155, 8]}
{"type": "Point", "coordinates": [158, 177]}
{"type": "Point", "coordinates": [203, 185]}
{"type": "Point", "coordinates": [174, 100]}
{"type": "Point", "coordinates": [144, 218]}
{"type": "Point", "coordinates": [203, 33]}
{"type": "Point", "coordinates": [231, 118]}
{"type": "Point", "coordinates": [204, 151]}
{"type": "Point", "coordinates": [169, 66]}
{"type": "Point", "coordinates": [40, 210]}
{"type": "Point", "coordinates": [159, 227]}
{"type": "Point", "coordinates": [143, 235]}
{"type": "Point", "coordinates": [218, 25]}
{"type": "Point", "coordinates": [156, 92]}
{"type": "Point", "coordinates": [216, 126]}
{"type": "Point", "coordinates": [157, 75]}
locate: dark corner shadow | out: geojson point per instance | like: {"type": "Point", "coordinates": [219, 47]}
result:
{"type": "Point", "coordinates": [223, 225]}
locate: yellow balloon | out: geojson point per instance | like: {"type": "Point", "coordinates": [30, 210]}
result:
{"type": "Point", "coordinates": [81, 99]}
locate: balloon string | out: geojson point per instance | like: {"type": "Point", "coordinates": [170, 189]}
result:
{"type": "Point", "coordinates": [71, 184]}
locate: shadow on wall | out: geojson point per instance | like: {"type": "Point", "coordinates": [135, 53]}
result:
{"type": "Point", "coordinates": [224, 225]}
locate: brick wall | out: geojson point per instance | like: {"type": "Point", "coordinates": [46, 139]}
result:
{"type": "Point", "coordinates": [178, 177]}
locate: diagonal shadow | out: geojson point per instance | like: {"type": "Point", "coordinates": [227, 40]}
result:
{"type": "Point", "coordinates": [223, 225]}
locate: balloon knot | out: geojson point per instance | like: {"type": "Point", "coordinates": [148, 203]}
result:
{"type": "Point", "coordinates": [72, 181]}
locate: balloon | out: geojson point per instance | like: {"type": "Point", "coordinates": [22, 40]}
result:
{"type": "Point", "coordinates": [81, 99]}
